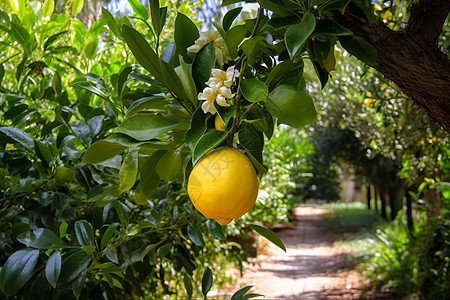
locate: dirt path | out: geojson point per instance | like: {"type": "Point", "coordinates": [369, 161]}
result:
{"type": "Point", "coordinates": [312, 268]}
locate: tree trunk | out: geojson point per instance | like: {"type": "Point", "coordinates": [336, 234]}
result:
{"type": "Point", "coordinates": [409, 217]}
{"type": "Point", "coordinates": [368, 196]}
{"type": "Point", "coordinates": [375, 197]}
{"type": "Point", "coordinates": [383, 204]}
{"type": "Point", "coordinates": [395, 200]}
{"type": "Point", "coordinates": [411, 57]}
{"type": "Point", "coordinates": [433, 197]}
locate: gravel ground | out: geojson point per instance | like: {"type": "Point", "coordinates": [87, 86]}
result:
{"type": "Point", "coordinates": [312, 268]}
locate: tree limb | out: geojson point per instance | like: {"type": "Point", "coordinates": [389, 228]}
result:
{"type": "Point", "coordinates": [426, 20]}
{"type": "Point", "coordinates": [411, 58]}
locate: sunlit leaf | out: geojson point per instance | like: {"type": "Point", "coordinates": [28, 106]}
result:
{"type": "Point", "coordinates": [146, 127]}
{"type": "Point", "coordinates": [268, 234]}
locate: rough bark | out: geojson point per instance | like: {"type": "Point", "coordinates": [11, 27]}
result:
{"type": "Point", "coordinates": [411, 58]}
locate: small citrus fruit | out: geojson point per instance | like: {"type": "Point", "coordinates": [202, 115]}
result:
{"type": "Point", "coordinates": [330, 61]}
{"type": "Point", "coordinates": [367, 102]}
{"type": "Point", "coordinates": [219, 124]}
{"type": "Point", "coordinates": [223, 185]}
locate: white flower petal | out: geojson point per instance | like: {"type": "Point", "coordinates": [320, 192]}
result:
{"type": "Point", "coordinates": [208, 107]}
{"type": "Point", "coordinates": [221, 101]}
{"type": "Point", "coordinates": [226, 92]}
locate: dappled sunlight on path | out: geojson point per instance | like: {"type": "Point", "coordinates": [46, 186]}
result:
{"type": "Point", "coordinates": [312, 268]}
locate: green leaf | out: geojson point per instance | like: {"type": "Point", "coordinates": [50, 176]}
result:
{"type": "Point", "coordinates": [19, 136]}
{"type": "Point", "coordinates": [111, 22]}
{"type": "Point", "coordinates": [155, 103]}
{"type": "Point", "coordinates": [108, 235]}
{"type": "Point", "coordinates": [53, 268]}
{"type": "Point", "coordinates": [170, 55]}
{"type": "Point", "coordinates": [78, 284]}
{"type": "Point", "coordinates": [185, 34]}
{"type": "Point", "coordinates": [216, 229]}
{"type": "Point", "coordinates": [53, 38]}
{"type": "Point", "coordinates": [73, 265]}
{"type": "Point", "coordinates": [367, 8]}
{"type": "Point", "coordinates": [234, 37]}
{"type": "Point", "coordinates": [142, 51]}
{"type": "Point", "coordinates": [207, 142]}
{"type": "Point", "coordinates": [77, 6]}
{"type": "Point", "coordinates": [188, 285]}
{"type": "Point", "coordinates": [321, 50]}
{"type": "Point", "coordinates": [280, 70]}
{"type": "Point", "coordinates": [259, 166]}
{"type": "Point", "coordinates": [228, 2]}
{"type": "Point", "coordinates": [89, 249]}
{"type": "Point", "coordinates": [204, 61]}
{"type": "Point", "coordinates": [197, 128]}
{"type": "Point", "coordinates": [84, 233]}
{"type": "Point", "coordinates": [268, 234]}
{"type": "Point", "coordinates": [184, 72]}
{"type": "Point", "coordinates": [108, 195]}
{"type": "Point", "coordinates": [253, 89]}
{"type": "Point", "coordinates": [43, 152]}
{"type": "Point", "coordinates": [229, 17]}
{"type": "Point", "coordinates": [358, 47]}
{"type": "Point", "coordinates": [41, 238]}
{"type": "Point", "coordinates": [17, 270]}
{"type": "Point", "coordinates": [90, 48]}
{"type": "Point", "coordinates": [88, 86]}
{"type": "Point", "coordinates": [101, 151]}
{"type": "Point", "coordinates": [128, 170]}
{"type": "Point", "coordinates": [146, 127]}
{"type": "Point", "coordinates": [252, 140]}
{"type": "Point", "coordinates": [49, 7]}
{"type": "Point", "coordinates": [291, 106]}
{"type": "Point", "coordinates": [207, 281]}
{"type": "Point", "coordinates": [280, 10]}
{"type": "Point", "coordinates": [335, 4]}
{"type": "Point", "coordinates": [241, 294]}
{"type": "Point", "coordinates": [225, 113]}
{"type": "Point", "coordinates": [195, 235]}
{"type": "Point", "coordinates": [56, 83]}
{"type": "Point", "coordinates": [330, 27]}
{"type": "Point", "coordinates": [252, 48]}
{"type": "Point", "coordinates": [82, 132]}
{"type": "Point", "coordinates": [156, 16]}
{"type": "Point", "coordinates": [149, 179]}
{"type": "Point", "coordinates": [169, 165]}
{"type": "Point", "coordinates": [322, 74]}
{"type": "Point", "coordinates": [122, 213]}
{"type": "Point", "coordinates": [63, 229]}
{"type": "Point", "coordinates": [139, 9]}
{"type": "Point", "coordinates": [297, 34]}
{"type": "Point", "coordinates": [164, 250]}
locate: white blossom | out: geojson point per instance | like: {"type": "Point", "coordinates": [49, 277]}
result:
{"type": "Point", "coordinates": [220, 48]}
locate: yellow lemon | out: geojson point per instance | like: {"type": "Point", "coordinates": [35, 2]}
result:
{"type": "Point", "coordinates": [330, 61]}
{"type": "Point", "coordinates": [219, 124]}
{"type": "Point", "coordinates": [367, 102]}
{"type": "Point", "coordinates": [223, 185]}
